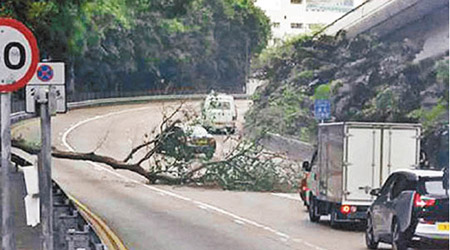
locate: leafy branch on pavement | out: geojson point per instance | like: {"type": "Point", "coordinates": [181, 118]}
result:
{"type": "Point", "coordinates": [245, 166]}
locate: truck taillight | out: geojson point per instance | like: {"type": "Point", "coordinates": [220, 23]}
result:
{"type": "Point", "coordinates": [346, 209]}
{"type": "Point", "coordinates": [422, 201]}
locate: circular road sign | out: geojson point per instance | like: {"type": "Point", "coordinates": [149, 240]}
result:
{"type": "Point", "coordinates": [45, 73]}
{"type": "Point", "coordinates": [19, 55]}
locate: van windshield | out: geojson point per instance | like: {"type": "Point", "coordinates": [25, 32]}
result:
{"type": "Point", "coordinates": [223, 105]}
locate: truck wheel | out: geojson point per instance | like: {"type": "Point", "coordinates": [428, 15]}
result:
{"type": "Point", "coordinates": [399, 241]}
{"type": "Point", "coordinates": [312, 210]}
{"type": "Point", "coordinates": [333, 217]}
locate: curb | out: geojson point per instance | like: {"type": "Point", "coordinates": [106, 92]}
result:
{"type": "Point", "coordinates": [107, 236]}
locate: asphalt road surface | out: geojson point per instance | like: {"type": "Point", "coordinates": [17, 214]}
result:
{"type": "Point", "coordinates": [168, 217]}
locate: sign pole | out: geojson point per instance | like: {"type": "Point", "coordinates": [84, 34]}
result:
{"type": "Point", "coordinates": [45, 172]}
{"type": "Point", "coordinates": [8, 237]}
{"type": "Point", "coordinates": [19, 56]}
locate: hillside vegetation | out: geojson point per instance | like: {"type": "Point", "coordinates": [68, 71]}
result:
{"type": "Point", "coordinates": [136, 45]}
{"type": "Point", "coordinates": [365, 78]}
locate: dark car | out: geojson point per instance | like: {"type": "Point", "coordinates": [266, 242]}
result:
{"type": "Point", "coordinates": [184, 142]}
{"type": "Point", "coordinates": [411, 207]}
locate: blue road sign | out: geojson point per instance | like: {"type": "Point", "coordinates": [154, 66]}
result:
{"type": "Point", "coordinates": [322, 110]}
{"type": "Point", "coordinates": [45, 73]}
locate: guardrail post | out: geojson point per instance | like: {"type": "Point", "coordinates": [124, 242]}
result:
{"type": "Point", "coordinates": [78, 239]}
{"type": "Point", "coordinates": [65, 223]}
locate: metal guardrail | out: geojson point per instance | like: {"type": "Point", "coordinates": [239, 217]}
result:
{"type": "Point", "coordinates": [108, 238]}
{"type": "Point", "coordinates": [18, 115]}
{"type": "Point", "coordinates": [72, 230]}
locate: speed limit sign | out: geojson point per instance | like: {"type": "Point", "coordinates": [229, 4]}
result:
{"type": "Point", "coordinates": [19, 55]}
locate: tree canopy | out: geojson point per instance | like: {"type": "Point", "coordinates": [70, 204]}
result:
{"type": "Point", "coordinates": [136, 45]}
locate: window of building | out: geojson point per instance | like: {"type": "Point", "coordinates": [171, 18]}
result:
{"type": "Point", "coordinates": [276, 25]}
{"type": "Point", "coordinates": [296, 1]}
{"type": "Point", "coordinates": [296, 25]}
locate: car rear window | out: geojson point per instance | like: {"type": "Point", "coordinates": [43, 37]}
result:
{"type": "Point", "coordinates": [434, 187]}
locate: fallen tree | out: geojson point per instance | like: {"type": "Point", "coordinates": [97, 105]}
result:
{"type": "Point", "coordinates": [246, 166]}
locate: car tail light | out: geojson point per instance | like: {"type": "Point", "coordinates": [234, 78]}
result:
{"type": "Point", "coordinates": [422, 201]}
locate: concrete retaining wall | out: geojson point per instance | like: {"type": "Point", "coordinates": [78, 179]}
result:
{"type": "Point", "coordinates": [294, 149]}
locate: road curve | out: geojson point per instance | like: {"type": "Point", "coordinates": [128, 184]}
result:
{"type": "Point", "coordinates": [166, 217]}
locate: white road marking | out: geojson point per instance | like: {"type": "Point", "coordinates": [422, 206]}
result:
{"type": "Point", "coordinates": [200, 204]}
{"type": "Point", "coordinates": [202, 207]}
{"type": "Point", "coordinates": [239, 222]}
{"type": "Point", "coordinates": [283, 235]}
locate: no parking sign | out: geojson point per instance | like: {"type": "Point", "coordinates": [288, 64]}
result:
{"type": "Point", "coordinates": [49, 73]}
{"type": "Point", "coordinates": [51, 76]}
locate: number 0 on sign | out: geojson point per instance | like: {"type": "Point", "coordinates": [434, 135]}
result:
{"type": "Point", "coordinates": [19, 55]}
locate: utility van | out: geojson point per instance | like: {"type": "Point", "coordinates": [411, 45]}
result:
{"type": "Point", "coordinates": [353, 158]}
{"type": "Point", "coordinates": [219, 113]}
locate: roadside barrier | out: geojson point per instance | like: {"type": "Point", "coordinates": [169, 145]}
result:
{"type": "Point", "coordinates": [72, 229]}
{"type": "Point", "coordinates": [109, 238]}
{"type": "Point", "coordinates": [294, 149]}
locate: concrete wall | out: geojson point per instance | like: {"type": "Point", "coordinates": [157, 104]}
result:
{"type": "Point", "coordinates": [294, 150]}
{"type": "Point", "coordinates": [422, 22]}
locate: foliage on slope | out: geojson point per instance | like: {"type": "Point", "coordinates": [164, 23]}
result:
{"type": "Point", "coordinates": [365, 78]}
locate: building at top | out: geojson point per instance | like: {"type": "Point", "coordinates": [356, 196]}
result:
{"type": "Point", "coordinates": [294, 17]}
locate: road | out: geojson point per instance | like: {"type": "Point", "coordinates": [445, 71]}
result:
{"type": "Point", "coordinates": [172, 217]}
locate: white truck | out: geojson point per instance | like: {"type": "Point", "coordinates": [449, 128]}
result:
{"type": "Point", "coordinates": [353, 158]}
{"type": "Point", "coordinates": [219, 113]}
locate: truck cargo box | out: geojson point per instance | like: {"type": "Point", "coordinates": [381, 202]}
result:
{"type": "Point", "coordinates": [355, 157]}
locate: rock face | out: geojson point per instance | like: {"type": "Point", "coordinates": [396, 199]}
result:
{"type": "Point", "coordinates": [368, 79]}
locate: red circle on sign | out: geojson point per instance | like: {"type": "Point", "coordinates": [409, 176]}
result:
{"type": "Point", "coordinates": [34, 55]}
